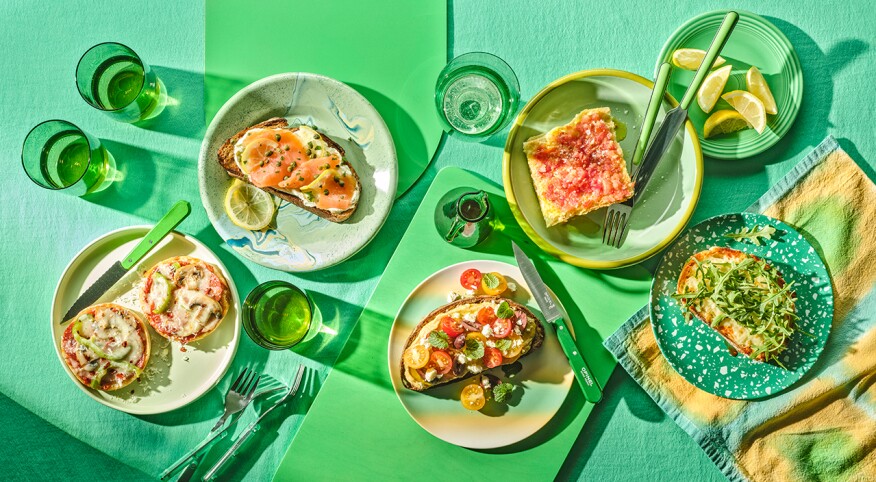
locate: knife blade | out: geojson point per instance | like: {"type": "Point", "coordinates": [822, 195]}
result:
{"type": "Point", "coordinates": [676, 117]}
{"type": "Point", "coordinates": [177, 213]}
{"type": "Point", "coordinates": [553, 315]}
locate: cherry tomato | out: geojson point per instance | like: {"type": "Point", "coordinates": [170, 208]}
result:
{"type": "Point", "coordinates": [416, 356]}
{"type": "Point", "coordinates": [502, 327]}
{"type": "Point", "coordinates": [492, 357]}
{"type": "Point", "coordinates": [496, 290]}
{"type": "Point", "coordinates": [442, 362]}
{"type": "Point", "coordinates": [476, 335]}
{"type": "Point", "coordinates": [486, 315]}
{"type": "Point", "coordinates": [516, 346]}
{"type": "Point", "coordinates": [470, 279]}
{"type": "Point", "coordinates": [472, 397]}
{"type": "Point", "coordinates": [452, 327]}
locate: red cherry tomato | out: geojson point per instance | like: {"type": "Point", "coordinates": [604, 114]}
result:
{"type": "Point", "coordinates": [441, 361]}
{"type": "Point", "coordinates": [486, 315]}
{"type": "Point", "coordinates": [470, 279]}
{"type": "Point", "coordinates": [492, 357]}
{"type": "Point", "coordinates": [452, 327]}
{"type": "Point", "coordinates": [502, 327]}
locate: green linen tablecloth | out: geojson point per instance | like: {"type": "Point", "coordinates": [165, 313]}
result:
{"type": "Point", "coordinates": [627, 437]}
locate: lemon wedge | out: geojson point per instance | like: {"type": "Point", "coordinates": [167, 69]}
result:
{"type": "Point", "coordinates": [248, 206]}
{"type": "Point", "coordinates": [724, 122]}
{"type": "Point", "coordinates": [757, 85]}
{"type": "Point", "coordinates": [712, 88]}
{"type": "Point", "coordinates": [690, 59]}
{"type": "Point", "coordinates": [749, 106]}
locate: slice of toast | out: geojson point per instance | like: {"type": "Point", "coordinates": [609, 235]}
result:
{"type": "Point", "coordinates": [225, 156]}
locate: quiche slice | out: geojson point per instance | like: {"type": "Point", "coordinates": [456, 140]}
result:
{"type": "Point", "coordinates": [578, 167]}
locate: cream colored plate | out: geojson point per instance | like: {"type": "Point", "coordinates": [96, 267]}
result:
{"type": "Point", "coordinates": [173, 378]}
{"type": "Point", "coordinates": [542, 384]}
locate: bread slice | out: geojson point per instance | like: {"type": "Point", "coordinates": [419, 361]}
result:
{"type": "Point", "coordinates": [225, 156]}
{"type": "Point", "coordinates": [532, 336]}
{"type": "Point", "coordinates": [706, 310]}
{"type": "Point", "coordinates": [578, 167]}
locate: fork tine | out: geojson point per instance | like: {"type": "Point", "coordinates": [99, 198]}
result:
{"type": "Point", "coordinates": [623, 233]}
{"type": "Point", "coordinates": [621, 225]}
{"type": "Point", "coordinates": [252, 389]}
{"type": "Point", "coordinates": [245, 387]}
{"type": "Point", "coordinates": [236, 383]}
{"type": "Point", "coordinates": [606, 229]}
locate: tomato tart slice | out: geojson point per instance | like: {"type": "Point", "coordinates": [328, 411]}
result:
{"type": "Point", "coordinates": [184, 298]}
{"type": "Point", "coordinates": [106, 346]}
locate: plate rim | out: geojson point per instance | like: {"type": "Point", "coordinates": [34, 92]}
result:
{"type": "Point", "coordinates": [258, 84]}
{"type": "Point", "coordinates": [753, 397]}
{"type": "Point", "coordinates": [546, 245]}
{"type": "Point", "coordinates": [781, 37]}
{"type": "Point", "coordinates": [135, 409]}
{"type": "Point", "coordinates": [391, 363]}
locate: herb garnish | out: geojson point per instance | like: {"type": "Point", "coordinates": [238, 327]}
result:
{"type": "Point", "coordinates": [473, 349]}
{"type": "Point", "coordinates": [752, 234]}
{"type": "Point", "coordinates": [505, 310]}
{"type": "Point", "coordinates": [502, 392]}
{"type": "Point", "coordinates": [503, 344]}
{"type": "Point", "coordinates": [439, 339]}
{"type": "Point", "coordinates": [490, 281]}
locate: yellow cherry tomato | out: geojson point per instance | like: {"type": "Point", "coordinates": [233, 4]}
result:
{"type": "Point", "coordinates": [476, 335]}
{"type": "Point", "coordinates": [516, 346]}
{"type": "Point", "coordinates": [473, 397]}
{"type": "Point", "coordinates": [416, 356]}
{"type": "Point", "coordinates": [493, 284]}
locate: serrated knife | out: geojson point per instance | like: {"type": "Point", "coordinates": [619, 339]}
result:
{"type": "Point", "coordinates": [177, 213]}
{"type": "Point", "coordinates": [553, 315]}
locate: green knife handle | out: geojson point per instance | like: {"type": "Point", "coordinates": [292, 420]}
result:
{"type": "Point", "coordinates": [177, 213]}
{"type": "Point", "coordinates": [717, 44]}
{"type": "Point", "coordinates": [592, 392]}
{"type": "Point", "coordinates": [651, 113]}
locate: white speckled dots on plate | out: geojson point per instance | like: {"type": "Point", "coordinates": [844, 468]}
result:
{"type": "Point", "coordinates": [299, 240]}
{"type": "Point", "coordinates": [699, 354]}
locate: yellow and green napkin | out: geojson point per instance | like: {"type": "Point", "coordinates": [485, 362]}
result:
{"type": "Point", "coordinates": [824, 427]}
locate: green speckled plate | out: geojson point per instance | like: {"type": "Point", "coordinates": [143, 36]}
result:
{"type": "Point", "coordinates": [699, 354]}
{"type": "Point", "coordinates": [754, 41]}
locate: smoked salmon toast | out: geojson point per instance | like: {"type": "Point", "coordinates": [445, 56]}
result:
{"type": "Point", "coordinates": [298, 164]}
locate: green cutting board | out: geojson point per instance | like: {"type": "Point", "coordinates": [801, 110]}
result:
{"type": "Point", "coordinates": [357, 426]}
{"type": "Point", "coordinates": [391, 51]}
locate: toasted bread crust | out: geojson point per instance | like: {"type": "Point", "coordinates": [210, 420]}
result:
{"type": "Point", "coordinates": [225, 156]}
{"type": "Point", "coordinates": [537, 340]}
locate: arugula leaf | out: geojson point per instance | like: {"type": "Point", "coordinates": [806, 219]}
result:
{"type": "Point", "coordinates": [439, 339]}
{"type": "Point", "coordinates": [503, 344]}
{"type": "Point", "coordinates": [473, 349]}
{"type": "Point", "coordinates": [753, 235]}
{"type": "Point", "coordinates": [502, 392]}
{"type": "Point", "coordinates": [505, 310]}
{"type": "Point", "coordinates": [490, 280]}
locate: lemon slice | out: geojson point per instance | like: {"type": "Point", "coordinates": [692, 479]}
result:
{"type": "Point", "coordinates": [248, 206]}
{"type": "Point", "coordinates": [690, 59]}
{"type": "Point", "coordinates": [712, 88]}
{"type": "Point", "coordinates": [749, 106]}
{"type": "Point", "coordinates": [757, 85]}
{"type": "Point", "coordinates": [724, 122]}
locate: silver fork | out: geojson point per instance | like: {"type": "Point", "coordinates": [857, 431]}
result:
{"type": "Point", "coordinates": [238, 397]}
{"type": "Point", "coordinates": [617, 218]}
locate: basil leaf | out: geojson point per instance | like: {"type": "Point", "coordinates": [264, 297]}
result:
{"type": "Point", "coordinates": [502, 392]}
{"type": "Point", "coordinates": [503, 344]}
{"type": "Point", "coordinates": [505, 310]}
{"type": "Point", "coordinates": [490, 280]}
{"type": "Point", "coordinates": [474, 349]}
{"type": "Point", "coordinates": [439, 339]}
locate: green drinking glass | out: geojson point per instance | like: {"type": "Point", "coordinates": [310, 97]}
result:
{"type": "Point", "coordinates": [476, 95]}
{"type": "Point", "coordinates": [277, 315]}
{"type": "Point", "coordinates": [58, 155]}
{"type": "Point", "coordinates": [113, 79]}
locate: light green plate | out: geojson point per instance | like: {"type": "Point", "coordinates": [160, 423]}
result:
{"type": "Point", "coordinates": [754, 41]}
{"type": "Point", "coordinates": [699, 354]}
{"type": "Point", "coordinates": [667, 203]}
{"type": "Point", "coordinates": [542, 384]}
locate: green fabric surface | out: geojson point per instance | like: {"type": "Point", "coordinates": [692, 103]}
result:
{"type": "Point", "coordinates": [627, 437]}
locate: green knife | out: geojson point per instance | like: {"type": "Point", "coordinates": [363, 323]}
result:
{"type": "Point", "coordinates": [177, 213]}
{"type": "Point", "coordinates": [552, 314]}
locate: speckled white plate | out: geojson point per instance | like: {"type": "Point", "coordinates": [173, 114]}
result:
{"type": "Point", "coordinates": [173, 378]}
{"type": "Point", "coordinates": [299, 240]}
{"type": "Point", "coordinates": [699, 354]}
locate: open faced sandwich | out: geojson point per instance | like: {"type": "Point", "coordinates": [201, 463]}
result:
{"type": "Point", "coordinates": [578, 167]}
{"type": "Point", "coordinates": [184, 298]}
{"type": "Point", "coordinates": [297, 164]}
{"type": "Point", "coordinates": [466, 337]}
{"type": "Point", "coordinates": [106, 346]}
{"type": "Point", "coordinates": [742, 297]}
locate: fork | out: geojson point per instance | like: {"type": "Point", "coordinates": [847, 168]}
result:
{"type": "Point", "coordinates": [238, 397]}
{"type": "Point", "coordinates": [617, 217]}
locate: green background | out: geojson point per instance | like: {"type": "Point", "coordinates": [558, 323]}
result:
{"type": "Point", "coordinates": [627, 436]}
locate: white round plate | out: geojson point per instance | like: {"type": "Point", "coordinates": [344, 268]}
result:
{"type": "Point", "coordinates": [542, 384]}
{"type": "Point", "coordinates": [173, 378]}
{"type": "Point", "coordinates": [300, 240]}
